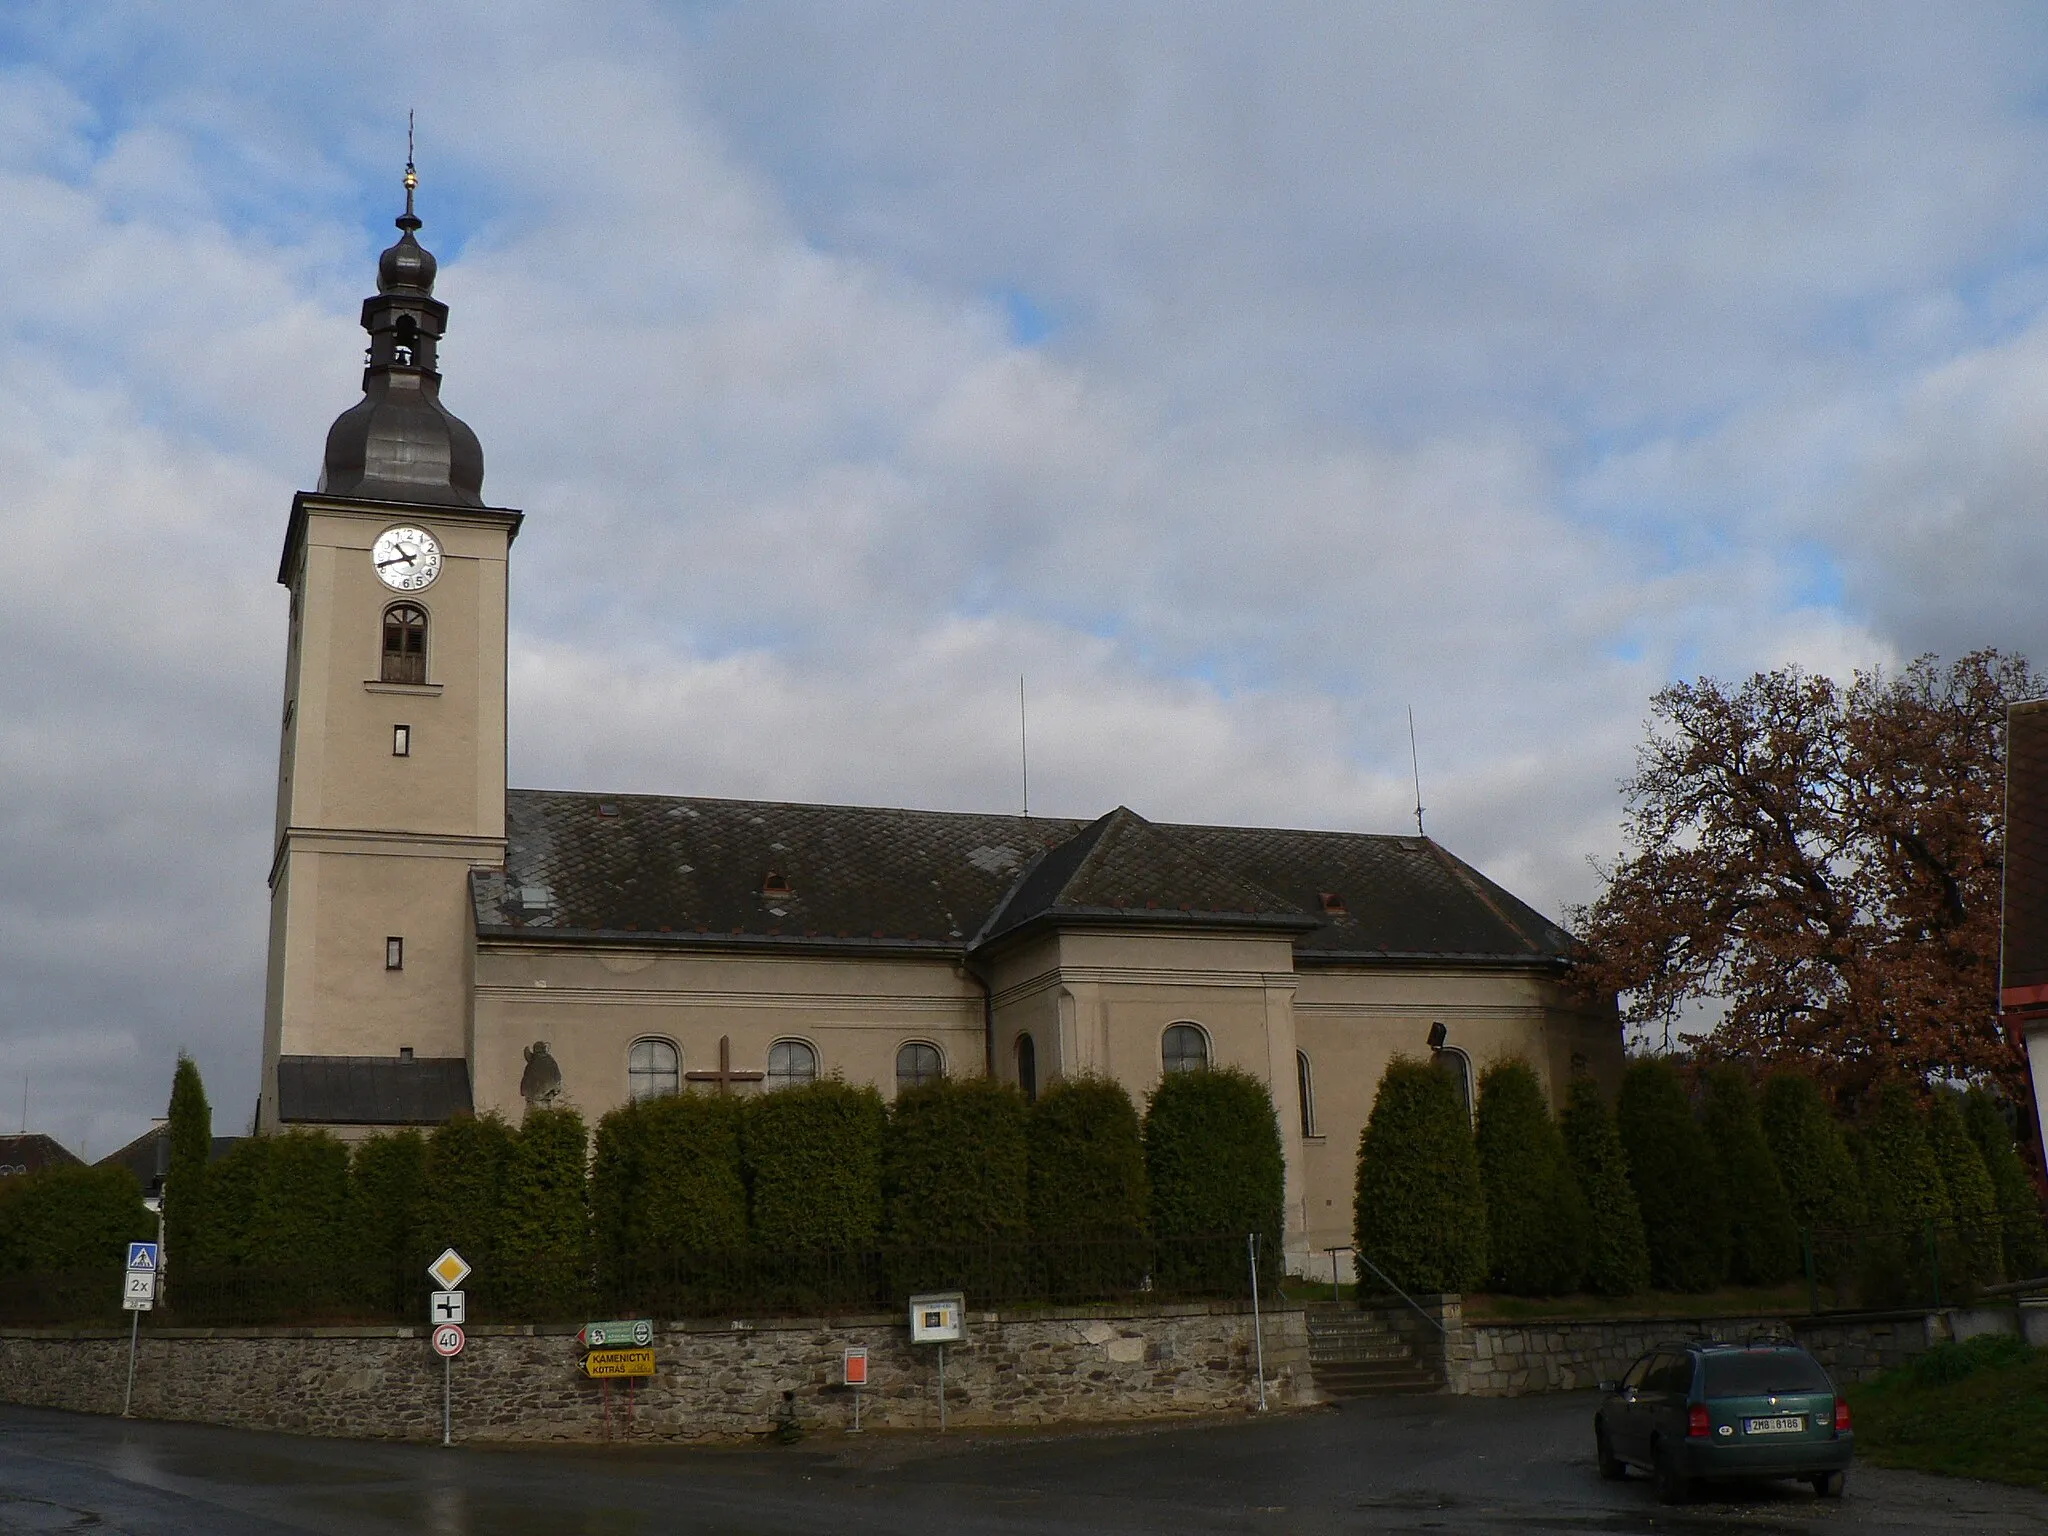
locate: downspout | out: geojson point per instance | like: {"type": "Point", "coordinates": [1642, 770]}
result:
{"type": "Point", "coordinates": [968, 967]}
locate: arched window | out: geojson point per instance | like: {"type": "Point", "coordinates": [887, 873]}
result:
{"type": "Point", "coordinates": [1027, 1067]}
{"type": "Point", "coordinates": [407, 341]}
{"type": "Point", "coordinates": [405, 644]}
{"type": "Point", "coordinates": [1457, 1066]}
{"type": "Point", "coordinates": [918, 1063]}
{"type": "Point", "coordinates": [1185, 1048]}
{"type": "Point", "coordinates": [653, 1070]}
{"type": "Point", "coordinates": [1305, 1082]}
{"type": "Point", "coordinates": [791, 1064]}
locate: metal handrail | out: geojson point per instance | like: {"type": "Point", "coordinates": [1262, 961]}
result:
{"type": "Point", "coordinates": [1433, 1322]}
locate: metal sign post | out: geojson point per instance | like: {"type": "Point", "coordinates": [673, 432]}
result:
{"type": "Point", "coordinates": [446, 1311]}
{"type": "Point", "coordinates": [1251, 1243]}
{"type": "Point", "coordinates": [939, 1318]}
{"type": "Point", "coordinates": [138, 1295]}
{"type": "Point", "coordinates": [855, 1374]}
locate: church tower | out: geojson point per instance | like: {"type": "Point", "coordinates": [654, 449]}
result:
{"type": "Point", "coordinates": [391, 767]}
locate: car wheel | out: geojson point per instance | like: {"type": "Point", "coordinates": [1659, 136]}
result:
{"type": "Point", "coordinates": [1829, 1484]}
{"type": "Point", "coordinates": [1673, 1486]}
{"type": "Point", "coordinates": [1611, 1467]}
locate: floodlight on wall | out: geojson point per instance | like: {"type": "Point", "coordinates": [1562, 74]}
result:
{"type": "Point", "coordinates": [1438, 1035]}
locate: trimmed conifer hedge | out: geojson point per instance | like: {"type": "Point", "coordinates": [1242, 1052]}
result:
{"type": "Point", "coordinates": [1901, 1175]}
{"type": "Point", "coordinates": [1972, 1202]}
{"type": "Point", "coordinates": [813, 1163]}
{"type": "Point", "coordinates": [466, 1157]}
{"type": "Point", "coordinates": [955, 1164]}
{"type": "Point", "coordinates": [1213, 1156]}
{"type": "Point", "coordinates": [1420, 1214]}
{"type": "Point", "coordinates": [1537, 1222]}
{"type": "Point", "coordinates": [544, 1216]}
{"type": "Point", "coordinates": [1617, 1253]}
{"type": "Point", "coordinates": [2019, 1205]}
{"type": "Point", "coordinates": [185, 1185]}
{"type": "Point", "coordinates": [387, 1185]}
{"type": "Point", "coordinates": [1678, 1187]}
{"type": "Point", "coordinates": [297, 1211]}
{"type": "Point", "coordinates": [1087, 1163]}
{"type": "Point", "coordinates": [666, 1181]}
{"type": "Point", "coordinates": [1763, 1237]}
{"type": "Point", "coordinates": [71, 1218]}
{"type": "Point", "coordinates": [1822, 1183]}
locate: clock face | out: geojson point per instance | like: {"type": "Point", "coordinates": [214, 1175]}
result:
{"type": "Point", "coordinates": [407, 559]}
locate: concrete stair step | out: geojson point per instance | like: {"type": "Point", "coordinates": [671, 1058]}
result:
{"type": "Point", "coordinates": [1378, 1378]}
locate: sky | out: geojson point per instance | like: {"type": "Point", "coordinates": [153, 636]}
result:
{"type": "Point", "coordinates": [1243, 377]}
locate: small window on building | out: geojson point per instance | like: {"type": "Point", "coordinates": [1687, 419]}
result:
{"type": "Point", "coordinates": [918, 1063]}
{"type": "Point", "coordinates": [394, 954]}
{"type": "Point", "coordinates": [1027, 1067]}
{"type": "Point", "coordinates": [1305, 1082]}
{"type": "Point", "coordinates": [654, 1070]}
{"type": "Point", "coordinates": [1457, 1066]}
{"type": "Point", "coordinates": [1185, 1048]}
{"type": "Point", "coordinates": [401, 741]}
{"type": "Point", "coordinates": [791, 1064]}
{"type": "Point", "coordinates": [405, 644]}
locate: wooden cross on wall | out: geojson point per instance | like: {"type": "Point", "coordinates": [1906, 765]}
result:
{"type": "Point", "coordinates": [725, 1077]}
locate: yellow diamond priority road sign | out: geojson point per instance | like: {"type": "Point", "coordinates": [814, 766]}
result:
{"type": "Point", "coordinates": [451, 1269]}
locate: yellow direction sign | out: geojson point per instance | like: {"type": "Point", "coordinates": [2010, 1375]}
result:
{"type": "Point", "coordinates": [619, 1362]}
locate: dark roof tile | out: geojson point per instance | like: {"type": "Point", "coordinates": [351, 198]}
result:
{"type": "Point", "coordinates": [688, 870]}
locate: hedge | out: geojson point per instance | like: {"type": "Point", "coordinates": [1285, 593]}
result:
{"type": "Point", "coordinates": [955, 1163]}
{"type": "Point", "coordinates": [1685, 1216]}
{"type": "Point", "coordinates": [812, 1156]}
{"type": "Point", "coordinates": [1087, 1162]}
{"type": "Point", "coordinates": [1822, 1182]}
{"type": "Point", "coordinates": [466, 1157]}
{"type": "Point", "coordinates": [1763, 1237]}
{"type": "Point", "coordinates": [297, 1211]}
{"type": "Point", "coordinates": [544, 1216]}
{"type": "Point", "coordinates": [1617, 1254]}
{"type": "Point", "coordinates": [1538, 1226]}
{"type": "Point", "coordinates": [666, 1181]}
{"type": "Point", "coordinates": [71, 1218]}
{"type": "Point", "coordinates": [2019, 1205]}
{"type": "Point", "coordinates": [1420, 1214]}
{"type": "Point", "coordinates": [1212, 1154]}
{"type": "Point", "coordinates": [1972, 1202]}
{"type": "Point", "coordinates": [387, 1186]}
{"type": "Point", "coordinates": [1901, 1175]}
{"type": "Point", "coordinates": [185, 1185]}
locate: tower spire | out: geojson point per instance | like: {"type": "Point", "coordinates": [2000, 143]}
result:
{"type": "Point", "coordinates": [399, 443]}
{"type": "Point", "coordinates": [408, 220]}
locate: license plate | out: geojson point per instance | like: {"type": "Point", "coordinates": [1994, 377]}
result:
{"type": "Point", "coordinates": [1790, 1424]}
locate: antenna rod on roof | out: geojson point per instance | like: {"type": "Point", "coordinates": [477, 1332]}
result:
{"type": "Point", "coordinates": [1415, 762]}
{"type": "Point", "coordinates": [1023, 744]}
{"type": "Point", "coordinates": [24, 1104]}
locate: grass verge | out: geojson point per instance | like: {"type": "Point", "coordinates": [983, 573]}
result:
{"type": "Point", "coordinates": [1978, 1409]}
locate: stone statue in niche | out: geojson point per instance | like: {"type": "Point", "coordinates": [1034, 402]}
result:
{"type": "Point", "coordinates": [541, 1083]}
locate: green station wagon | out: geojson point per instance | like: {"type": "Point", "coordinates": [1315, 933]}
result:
{"type": "Point", "coordinates": [1695, 1411]}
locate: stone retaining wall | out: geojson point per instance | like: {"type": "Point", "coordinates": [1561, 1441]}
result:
{"type": "Point", "coordinates": [713, 1382]}
{"type": "Point", "coordinates": [1501, 1359]}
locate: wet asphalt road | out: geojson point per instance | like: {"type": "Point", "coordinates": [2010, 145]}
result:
{"type": "Point", "coordinates": [1403, 1464]}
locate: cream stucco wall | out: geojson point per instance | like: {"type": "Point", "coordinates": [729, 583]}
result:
{"type": "Point", "coordinates": [371, 845]}
{"type": "Point", "coordinates": [590, 1005]}
{"type": "Point", "coordinates": [1351, 1021]}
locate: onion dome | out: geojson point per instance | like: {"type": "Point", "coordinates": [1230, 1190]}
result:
{"type": "Point", "coordinates": [399, 443]}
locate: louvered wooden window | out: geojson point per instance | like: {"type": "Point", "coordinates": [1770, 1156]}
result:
{"type": "Point", "coordinates": [405, 644]}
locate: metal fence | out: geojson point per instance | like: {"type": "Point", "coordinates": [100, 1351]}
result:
{"type": "Point", "coordinates": [1925, 1264]}
{"type": "Point", "coordinates": [744, 1283]}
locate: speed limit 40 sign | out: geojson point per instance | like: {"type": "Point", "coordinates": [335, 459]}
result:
{"type": "Point", "coordinates": [448, 1340]}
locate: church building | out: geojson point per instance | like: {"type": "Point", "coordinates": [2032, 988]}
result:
{"type": "Point", "coordinates": [440, 943]}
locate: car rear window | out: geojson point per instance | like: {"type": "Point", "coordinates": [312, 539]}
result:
{"type": "Point", "coordinates": [1764, 1371]}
